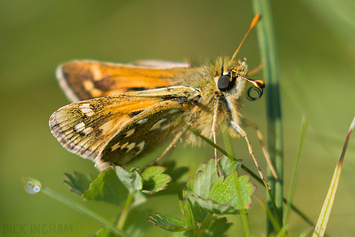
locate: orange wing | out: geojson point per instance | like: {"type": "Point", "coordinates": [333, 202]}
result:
{"type": "Point", "coordinates": [84, 127]}
{"type": "Point", "coordinates": [88, 79]}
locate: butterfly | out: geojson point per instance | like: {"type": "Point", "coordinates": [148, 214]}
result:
{"type": "Point", "coordinates": [121, 112]}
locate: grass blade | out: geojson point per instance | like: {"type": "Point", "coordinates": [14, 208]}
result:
{"type": "Point", "coordinates": [268, 52]}
{"type": "Point", "coordinates": [323, 218]}
{"type": "Point", "coordinates": [295, 170]}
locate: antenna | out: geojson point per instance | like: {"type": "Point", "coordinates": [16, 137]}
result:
{"type": "Point", "coordinates": [253, 23]}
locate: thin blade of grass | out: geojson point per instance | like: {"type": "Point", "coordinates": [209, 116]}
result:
{"type": "Point", "coordinates": [295, 170]}
{"type": "Point", "coordinates": [220, 149]}
{"type": "Point", "coordinates": [323, 218]}
{"type": "Point", "coordinates": [275, 223]}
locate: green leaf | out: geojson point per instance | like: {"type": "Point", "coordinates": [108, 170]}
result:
{"type": "Point", "coordinates": [226, 166]}
{"type": "Point", "coordinates": [107, 188]}
{"type": "Point", "coordinates": [131, 179]}
{"type": "Point", "coordinates": [207, 174]}
{"type": "Point", "coordinates": [190, 184]}
{"type": "Point", "coordinates": [154, 180]}
{"type": "Point", "coordinates": [78, 182]}
{"type": "Point", "coordinates": [213, 207]}
{"type": "Point", "coordinates": [217, 228]}
{"type": "Point", "coordinates": [199, 213]}
{"type": "Point", "coordinates": [205, 178]}
{"type": "Point", "coordinates": [168, 222]}
{"type": "Point", "coordinates": [228, 196]}
{"type": "Point", "coordinates": [188, 215]}
{"type": "Point", "coordinates": [174, 186]}
{"type": "Point", "coordinates": [235, 191]}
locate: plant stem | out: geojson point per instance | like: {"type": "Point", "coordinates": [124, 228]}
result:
{"type": "Point", "coordinates": [274, 120]}
{"type": "Point", "coordinates": [125, 211]}
{"type": "Point", "coordinates": [245, 223]}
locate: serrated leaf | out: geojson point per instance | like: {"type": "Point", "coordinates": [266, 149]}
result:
{"type": "Point", "coordinates": [174, 186]}
{"type": "Point", "coordinates": [107, 188]}
{"type": "Point", "coordinates": [188, 215]}
{"type": "Point", "coordinates": [154, 180]}
{"type": "Point", "coordinates": [78, 182]}
{"type": "Point", "coordinates": [217, 228]}
{"type": "Point", "coordinates": [207, 174]}
{"type": "Point", "coordinates": [131, 179]}
{"type": "Point", "coordinates": [213, 207]}
{"type": "Point", "coordinates": [199, 213]}
{"type": "Point", "coordinates": [226, 166]}
{"type": "Point", "coordinates": [201, 167]}
{"type": "Point", "coordinates": [225, 196]}
{"type": "Point", "coordinates": [235, 191]}
{"type": "Point", "coordinates": [190, 184]}
{"type": "Point", "coordinates": [205, 178]}
{"type": "Point", "coordinates": [181, 197]}
{"type": "Point", "coordinates": [168, 222]}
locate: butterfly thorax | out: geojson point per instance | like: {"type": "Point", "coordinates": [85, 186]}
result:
{"type": "Point", "coordinates": [201, 116]}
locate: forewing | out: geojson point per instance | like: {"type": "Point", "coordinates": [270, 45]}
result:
{"type": "Point", "coordinates": [161, 64]}
{"type": "Point", "coordinates": [86, 79]}
{"type": "Point", "coordinates": [144, 132]}
{"type": "Point", "coordinates": [85, 127]}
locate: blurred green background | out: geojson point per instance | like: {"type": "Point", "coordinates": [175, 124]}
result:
{"type": "Point", "coordinates": [316, 53]}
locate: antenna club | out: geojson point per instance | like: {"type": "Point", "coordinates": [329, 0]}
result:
{"type": "Point", "coordinates": [255, 20]}
{"type": "Point", "coordinates": [260, 83]}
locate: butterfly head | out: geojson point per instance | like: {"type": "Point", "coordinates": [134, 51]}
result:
{"type": "Point", "coordinates": [233, 80]}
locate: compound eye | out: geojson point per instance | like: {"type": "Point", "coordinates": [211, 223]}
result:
{"type": "Point", "coordinates": [224, 83]}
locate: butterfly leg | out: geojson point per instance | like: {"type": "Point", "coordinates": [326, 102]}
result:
{"type": "Point", "coordinates": [251, 152]}
{"type": "Point", "coordinates": [214, 130]}
{"type": "Point", "coordinates": [175, 140]}
{"type": "Point", "coordinates": [261, 143]}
